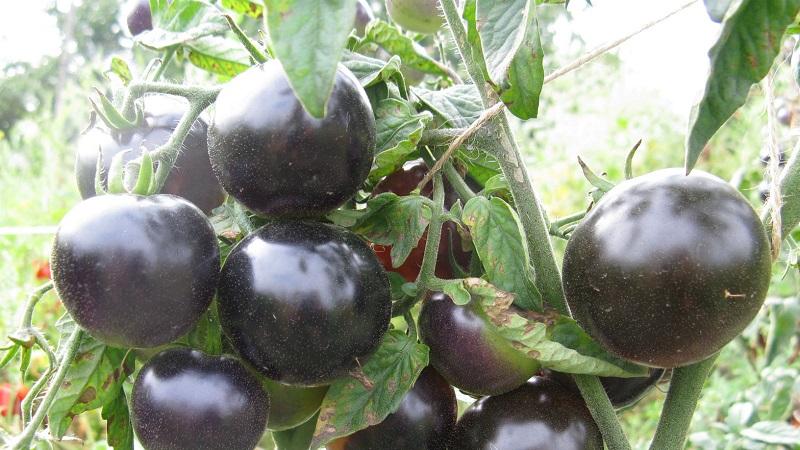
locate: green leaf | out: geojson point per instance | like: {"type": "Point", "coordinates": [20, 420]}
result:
{"type": "Point", "coordinates": [371, 71]}
{"type": "Point", "coordinates": [474, 38]}
{"type": "Point", "coordinates": [250, 7]}
{"type": "Point", "coordinates": [308, 37]}
{"type": "Point", "coordinates": [207, 334]}
{"type": "Point", "coordinates": [121, 69]}
{"type": "Point", "coordinates": [776, 433]}
{"type": "Point", "coordinates": [118, 423]}
{"type": "Point", "coordinates": [500, 242]}
{"type": "Point", "coordinates": [458, 105]}
{"type": "Point", "coordinates": [495, 184]}
{"type": "Point", "coordinates": [356, 402]}
{"type": "Point", "coordinates": [182, 21]}
{"type": "Point", "coordinates": [480, 165]}
{"type": "Point", "coordinates": [556, 341]}
{"type": "Point", "coordinates": [93, 379]}
{"type": "Point", "coordinates": [456, 291]}
{"type": "Point", "coordinates": [509, 37]}
{"type": "Point", "coordinates": [717, 9]}
{"type": "Point", "coordinates": [396, 221]}
{"type": "Point", "coordinates": [749, 42]}
{"type": "Point", "coordinates": [219, 55]}
{"type": "Point", "coordinates": [392, 39]}
{"type": "Point", "coordinates": [399, 129]}
{"type": "Point", "coordinates": [298, 438]}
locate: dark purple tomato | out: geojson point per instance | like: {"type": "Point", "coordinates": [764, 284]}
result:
{"type": "Point", "coordinates": [468, 351]}
{"type": "Point", "coordinates": [623, 392]}
{"type": "Point", "coordinates": [419, 16]}
{"type": "Point", "coordinates": [402, 182]}
{"type": "Point", "coordinates": [277, 160]}
{"type": "Point", "coordinates": [304, 301]}
{"type": "Point", "coordinates": [190, 178]}
{"type": "Point", "coordinates": [364, 15]}
{"type": "Point", "coordinates": [425, 420]}
{"type": "Point", "coordinates": [667, 268]}
{"type": "Point", "coordinates": [139, 18]}
{"type": "Point", "coordinates": [135, 271]}
{"type": "Point", "coordinates": [185, 399]}
{"type": "Point", "coordinates": [539, 415]}
{"type": "Point", "coordinates": [291, 406]}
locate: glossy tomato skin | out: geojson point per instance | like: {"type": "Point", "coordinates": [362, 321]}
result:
{"type": "Point", "coordinates": [402, 182]}
{"type": "Point", "coordinates": [420, 16]}
{"type": "Point", "coordinates": [135, 271]}
{"type": "Point", "coordinates": [467, 351]}
{"type": "Point", "coordinates": [302, 301]}
{"type": "Point", "coordinates": [540, 415]}
{"type": "Point", "coordinates": [425, 420]}
{"type": "Point", "coordinates": [291, 406]}
{"type": "Point", "coordinates": [190, 178]}
{"type": "Point", "coordinates": [667, 269]}
{"type": "Point", "coordinates": [139, 18]}
{"type": "Point", "coordinates": [623, 392]}
{"type": "Point", "coordinates": [185, 399]}
{"type": "Point", "coordinates": [277, 160]}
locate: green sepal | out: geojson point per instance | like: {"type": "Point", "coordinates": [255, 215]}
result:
{"type": "Point", "coordinates": [144, 180]}
{"type": "Point", "coordinates": [116, 174]}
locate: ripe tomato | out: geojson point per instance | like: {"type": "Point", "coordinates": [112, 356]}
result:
{"type": "Point", "coordinates": [11, 397]}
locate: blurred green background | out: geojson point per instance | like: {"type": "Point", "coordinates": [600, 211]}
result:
{"type": "Point", "coordinates": [599, 112]}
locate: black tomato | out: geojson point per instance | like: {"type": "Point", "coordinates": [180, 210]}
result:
{"type": "Point", "coordinates": [420, 16]}
{"type": "Point", "coordinates": [184, 399]}
{"type": "Point", "coordinates": [190, 178]}
{"type": "Point", "coordinates": [402, 182]}
{"type": "Point", "coordinates": [303, 301]}
{"type": "Point", "coordinates": [364, 15]}
{"type": "Point", "coordinates": [135, 271]}
{"type": "Point", "coordinates": [425, 420]}
{"type": "Point", "coordinates": [291, 406]}
{"type": "Point", "coordinates": [539, 415]}
{"type": "Point", "coordinates": [623, 392]}
{"type": "Point", "coordinates": [667, 268]}
{"type": "Point", "coordinates": [277, 160]}
{"type": "Point", "coordinates": [139, 18]}
{"type": "Point", "coordinates": [467, 350]}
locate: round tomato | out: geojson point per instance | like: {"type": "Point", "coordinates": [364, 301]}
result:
{"type": "Point", "coordinates": [420, 16]}
{"type": "Point", "coordinates": [539, 415]}
{"type": "Point", "coordinates": [135, 271]}
{"type": "Point", "coordinates": [291, 406]}
{"type": "Point", "coordinates": [190, 178]}
{"type": "Point", "coordinates": [468, 351]}
{"type": "Point", "coordinates": [303, 302]}
{"type": "Point", "coordinates": [184, 399]}
{"type": "Point", "coordinates": [277, 160]}
{"type": "Point", "coordinates": [667, 268]}
{"type": "Point", "coordinates": [11, 398]}
{"type": "Point", "coordinates": [139, 17]}
{"type": "Point", "coordinates": [425, 420]}
{"type": "Point", "coordinates": [364, 15]}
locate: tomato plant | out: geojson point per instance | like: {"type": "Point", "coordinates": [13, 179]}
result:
{"type": "Point", "coordinates": [342, 247]}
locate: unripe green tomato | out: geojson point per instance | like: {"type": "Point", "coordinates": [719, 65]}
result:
{"type": "Point", "coordinates": [291, 406]}
{"type": "Point", "coordinates": [420, 16]}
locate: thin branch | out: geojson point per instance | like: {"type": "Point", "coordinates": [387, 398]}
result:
{"type": "Point", "coordinates": [485, 117]}
{"type": "Point", "coordinates": [33, 300]}
{"type": "Point", "coordinates": [609, 46]}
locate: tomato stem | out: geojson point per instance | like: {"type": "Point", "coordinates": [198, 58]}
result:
{"type": "Point", "coordinates": [602, 411]}
{"type": "Point", "coordinates": [684, 392]}
{"type": "Point", "coordinates": [256, 53]}
{"type": "Point", "coordinates": [426, 271]}
{"type": "Point", "coordinates": [23, 441]}
{"type": "Point", "coordinates": [33, 300]}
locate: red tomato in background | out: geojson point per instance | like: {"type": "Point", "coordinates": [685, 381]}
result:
{"type": "Point", "coordinates": [7, 391]}
{"type": "Point", "coordinates": [403, 182]}
{"type": "Point", "coordinates": [42, 268]}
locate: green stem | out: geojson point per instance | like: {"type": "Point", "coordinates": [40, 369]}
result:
{"type": "Point", "coordinates": [572, 218]}
{"type": "Point", "coordinates": [168, 54]}
{"type": "Point", "coordinates": [33, 300]}
{"type": "Point", "coordinates": [444, 136]}
{"type": "Point", "coordinates": [457, 181]}
{"type": "Point", "coordinates": [428, 268]}
{"type": "Point", "coordinates": [23, 441]}
{"type": "Point", "coordinates": [505, 150]}
{"type": "Point", "coordinates": [602, 411]}
{"type": "Point", "coordinates": [790, 202]}
{"type": "Point", "coordinates": [255, 52]}
{"type": "Point", "coordinates": [684, 392]}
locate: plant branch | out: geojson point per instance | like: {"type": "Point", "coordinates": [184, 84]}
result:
{"type": "Point", "coordinates": [428, 267]}
{"type": "Point", "coordinates": [256, 53]}
{"type": "Point", "coordinates": [485, 117]}
{"type": "Point", "coordinates": [602, 411]}
{"type": "Point", "coordinates": [168, 54]}
{"type": "Point", "coordinates": [33, 300]}
{"type": "Point", "coordinates": [457, 182]}
{"type": "Point", "coordinates": [23, 441]}
{"type": "Point", "coordinates": [591, 55]}
{"type": "Point", "coordinates": [505, 150]}
{"type": "Point", "coordinates": [684, 392]}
